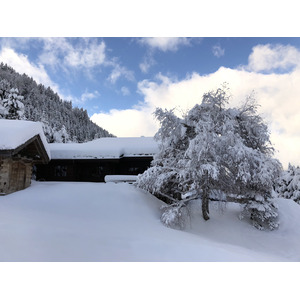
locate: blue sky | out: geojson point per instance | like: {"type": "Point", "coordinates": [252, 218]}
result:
{"type": "Point", "coordinates": [100, 74]}
{"type": "Point", "coordinates": [121, 80]}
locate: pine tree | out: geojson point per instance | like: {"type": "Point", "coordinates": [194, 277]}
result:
{"type": "Point", "coordinates": [288, 184]}
{"type": "Point", "coordinates": [11, 106]}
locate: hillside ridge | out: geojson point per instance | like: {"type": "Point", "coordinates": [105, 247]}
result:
{"type": "Point", "coordinates": [61, 121]}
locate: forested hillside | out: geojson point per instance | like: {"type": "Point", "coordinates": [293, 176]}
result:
{"type": "Point", "coordinates": [62, 122]}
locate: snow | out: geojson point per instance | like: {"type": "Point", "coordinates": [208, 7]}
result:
{"type": "Point", "coordinates": [14, 133]}
{"type": "Point", "coordinates": [105, 148]}
{"type": "Point", "coordinates": [120, 178]}
{"type": "Point", "coordinates": [55, 221]}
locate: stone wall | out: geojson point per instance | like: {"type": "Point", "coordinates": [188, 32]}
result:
{"type": "Point", "coordinates": [4, 176]}
{"type": "Point", "coordinates": [15, 175]}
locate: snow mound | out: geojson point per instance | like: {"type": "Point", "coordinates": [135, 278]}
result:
{"type": "Point", "coordinates": [54, 221]}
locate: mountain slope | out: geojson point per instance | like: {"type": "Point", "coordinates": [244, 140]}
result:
{"type": "Point", "coordinates": [61, 121]}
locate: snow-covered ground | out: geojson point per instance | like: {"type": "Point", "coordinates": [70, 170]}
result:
{"type": "Point", "coordinates": [55, 221]}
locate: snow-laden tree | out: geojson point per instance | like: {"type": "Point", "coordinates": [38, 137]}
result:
{"type": "Point", "coordinates": [288, 184]}
{"type": "Point", "coordinates": [61, 135]}
{"type": "Point", "coordinates": [214, 153]}
{"type": "Point", "coordinates": [11, 106]}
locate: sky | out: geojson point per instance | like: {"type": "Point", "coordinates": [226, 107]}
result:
{"type": "Point", "coordinates": [121, 80]}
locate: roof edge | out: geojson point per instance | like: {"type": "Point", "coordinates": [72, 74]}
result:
{"type": "Point", "coordinates": [38, 143]}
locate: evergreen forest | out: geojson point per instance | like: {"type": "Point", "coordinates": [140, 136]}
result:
{"type": "Point", "coordinates": [21, 97]}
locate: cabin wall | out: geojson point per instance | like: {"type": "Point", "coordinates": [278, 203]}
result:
{"type": "Point", "coordinates": [133, 165]}
{"type": "Point", "coordinates": [76, 170]}
{"type": "Point", "coordinates": [91, 170]}
{"type": "Point", "coordinates": [15, 175]}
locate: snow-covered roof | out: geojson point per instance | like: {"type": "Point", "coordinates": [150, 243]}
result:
{"type": "Point", "coordinates": [15, 133]}
{"type": "Point", "coordinates": [105, 148]}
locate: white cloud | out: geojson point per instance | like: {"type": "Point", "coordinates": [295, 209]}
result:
{"type": "Point", "coordinates": [127, 123]}
{"type": "Point", "coordinates": [21, 64]}
{"type": "Point", "coordinates": [12, 42]}
{"type": "Point", "coordinates": [147, 63]}
{"type": "Point", "coordinates": [165, 43]}
{"type": "Point", "coordinates": [218, 51]}
{"type": "Point", "coordinates": [69, 54]}
{"type": "Point", "coordinates": [271, 57]}
{"type": "Point", "coordinates": [125, 91]}
{"type": "Point", "coordinates": [86, 53]}
{"type": "Point", "coordinates": [87, 56]}
{"type": "Point", "coordinates": [144, 66]}
{"type": "Point", "coordinates": [119, 71]}
{"type": "Point", "coordinates": [88, 95]}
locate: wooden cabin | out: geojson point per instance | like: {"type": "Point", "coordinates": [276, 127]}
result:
{"type": "Point", "coordinates": [22, 145]}
{"type": "Point", "coordinates": [92, 161]}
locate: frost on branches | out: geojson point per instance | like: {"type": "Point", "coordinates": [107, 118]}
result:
{"type": "Point", "coordinates": [214, 153]}
{"type": "Point", "coordinates": [175, 216]}
{"type": "Point", "coordinates": [288, 184]}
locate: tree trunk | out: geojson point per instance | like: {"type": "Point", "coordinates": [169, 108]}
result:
{"type": "Point", "coordinates": [205, 205]}
{"type": "Point", "coordinates": [205, 196]}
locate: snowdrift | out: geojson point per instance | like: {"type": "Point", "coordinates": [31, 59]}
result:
{"type": "Point", "coordinates": [53, 221]}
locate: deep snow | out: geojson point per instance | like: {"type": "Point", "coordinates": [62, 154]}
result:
{"type": "Point", "coordinates": [105, 148]}
{"type": "Point", "coordinates": [55, 221]}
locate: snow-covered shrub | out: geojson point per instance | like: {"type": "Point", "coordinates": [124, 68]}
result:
{"type": "Point", "coordinates": [288, 184]}
{"type": "Point", "coordinates": [175, 216]}
{"type": "Point", "coordinates": [212, 148]}
{"type": "Point", "coordinates": [262, 212]}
